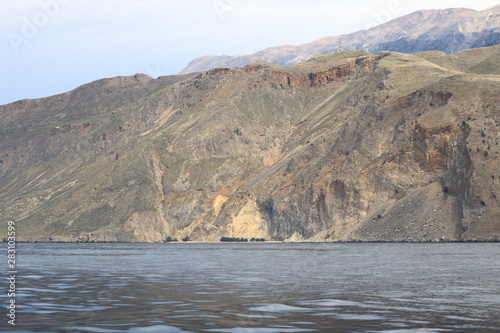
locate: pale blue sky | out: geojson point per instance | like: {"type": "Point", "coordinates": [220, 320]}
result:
{"type": "Point", "coordinates": [52, 46]}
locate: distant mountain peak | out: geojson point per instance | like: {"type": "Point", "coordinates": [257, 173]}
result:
{"type": "Point", "coordinates": [448, 30]}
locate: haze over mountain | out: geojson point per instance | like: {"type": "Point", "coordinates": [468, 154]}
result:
{"type": "Point", "coordinates": [448, 30]}
{"type": "Point", "coordinates": [345, 146]}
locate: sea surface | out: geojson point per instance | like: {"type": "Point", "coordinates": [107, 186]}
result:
{"type": "Point", "coordinates": [255, 287]}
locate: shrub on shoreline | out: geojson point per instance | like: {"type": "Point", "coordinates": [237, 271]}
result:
{"type": "Point", "coordinates": [240, 240]}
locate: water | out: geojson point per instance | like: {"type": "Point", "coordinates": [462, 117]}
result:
{"type": "Point", "coordinates": [256, 288]}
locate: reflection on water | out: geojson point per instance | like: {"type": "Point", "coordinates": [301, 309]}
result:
{"type": "Point", "coordinates": [257, 288]}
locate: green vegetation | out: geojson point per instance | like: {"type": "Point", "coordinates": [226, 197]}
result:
{"type": "Point", "coordinates": [258, 240]}
{"type": "Point", "coordinates": [233, 239]}
{"type": "Point", "coordinates": [170, 239]}
{"type": "Point", "coordinates": [186, 239]}
{"type": "Point", "coordinates": [236, 239]}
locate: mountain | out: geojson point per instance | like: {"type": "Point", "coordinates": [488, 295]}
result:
{"type": "Point", "coordinates": [344, 147]}
{"type": "Point", "coordinates": [448, 30]}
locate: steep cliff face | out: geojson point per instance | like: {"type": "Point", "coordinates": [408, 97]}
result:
{"type": "Point", "coordinates": [346, 146]}
{"type": "Point", "coordinates": [447, 30]}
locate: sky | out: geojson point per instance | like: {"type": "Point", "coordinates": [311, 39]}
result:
{"type": "Point", "coordinates": [53, 46]}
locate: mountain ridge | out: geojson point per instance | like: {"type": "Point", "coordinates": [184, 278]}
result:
{"type": "Point", "coordinates": [349, 146]}
{"type": "Point", "coordinates": [448, 30]}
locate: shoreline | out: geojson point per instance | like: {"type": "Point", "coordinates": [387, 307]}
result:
{"type": "Point", "coordinates": [266, 242]}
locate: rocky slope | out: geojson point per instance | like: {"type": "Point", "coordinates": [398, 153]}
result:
{"type": "Point", "coordinates": [346, 146]}
{"type": "Point", "coordinates": [448, 30]}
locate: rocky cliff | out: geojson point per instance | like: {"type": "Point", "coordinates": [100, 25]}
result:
{"type": "Point", "coordinates": [345, 146]}
{"type": "Point", "coordinates": [448, 30]}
